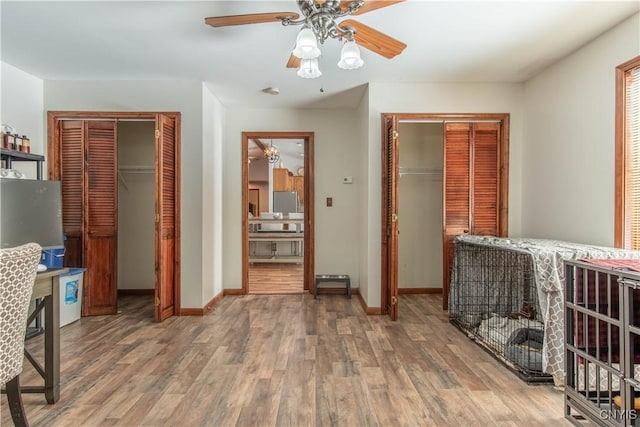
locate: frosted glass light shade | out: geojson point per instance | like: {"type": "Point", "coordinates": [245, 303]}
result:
{"type": "Point", "coordinates": [309, 69]}
{"type": "Point", "coordinates": [306, 45]}
{"type": "Point", "coordinates": [350, 56]}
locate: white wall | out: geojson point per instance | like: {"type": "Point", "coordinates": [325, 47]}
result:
{"type": "Point", "coordinates": [183, 96]}
{"type": "Point", "coordinates": [362, 129]}
{"type": "Point", "coordinates": [420, 206]}
{"type": "Point", "coordinates": [436, 98]}
{"type": "Point", "coordinates": [136, 206]}
{"type": "Point", "coordinates": [568, 176]}
{"type": "Point", "coordinates": [22, 108]}
{"type": "Point", "coordinates": [336, 155]}
{"type": "Point", "coordinates": [213, 116]}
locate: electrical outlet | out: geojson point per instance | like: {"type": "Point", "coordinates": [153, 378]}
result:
{"type": "Point", "coordinates": [347, 180]}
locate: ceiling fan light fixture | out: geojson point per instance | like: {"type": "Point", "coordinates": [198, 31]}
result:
{"type": "Point", "coordinates": [306, 44]}
{"type": "Point", "coordinates": [350, 56]}
{"type": "Point", "coordinates": [309, 69]}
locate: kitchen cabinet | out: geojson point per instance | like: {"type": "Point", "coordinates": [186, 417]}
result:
{"type": "Point", "coordinates": [284, 180]}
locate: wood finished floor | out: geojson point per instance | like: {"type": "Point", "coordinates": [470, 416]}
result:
{"type": "Point", "coordinates": [267, 279]}
{"type": "Point", "coordinates": [290, 360]}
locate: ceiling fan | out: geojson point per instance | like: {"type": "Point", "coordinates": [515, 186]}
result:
{"type": "Point", "coordinates": [319, 23]}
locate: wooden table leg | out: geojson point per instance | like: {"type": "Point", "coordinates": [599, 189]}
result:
{"type": "Point", "coordinates": [52, 343]}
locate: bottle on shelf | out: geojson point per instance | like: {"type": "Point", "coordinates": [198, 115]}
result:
{"type": "Point", "coordinates": [26, 144]}
{"type": "Point", "coordinates": [10, 141]}
{"type": "Point", "coordinates": [17, 142]}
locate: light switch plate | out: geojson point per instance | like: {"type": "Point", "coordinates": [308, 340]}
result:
{"type": "Point", "coordinates": [347, 180]}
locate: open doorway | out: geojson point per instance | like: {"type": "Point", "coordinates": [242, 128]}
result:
{"type": "Point", "coordinates": [277, 206]}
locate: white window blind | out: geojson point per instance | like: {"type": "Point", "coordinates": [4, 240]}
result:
{"type": "Point", "coordinates": [632, 172]}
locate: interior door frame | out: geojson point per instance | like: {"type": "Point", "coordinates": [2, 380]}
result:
{"type": "Point", "coordinates": [309, 205]}
{"type": "Point", "coordinates": [503, 185]}
{"type": "Point", "coordinates": [53, 166]}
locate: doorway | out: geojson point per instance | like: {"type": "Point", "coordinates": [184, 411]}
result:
{"type": "Point", "coordinates": [83, 155]}
{"type": "Point", "coordinates": [278, 212]}
{"type": "Point", "coordinates": [472, 199]}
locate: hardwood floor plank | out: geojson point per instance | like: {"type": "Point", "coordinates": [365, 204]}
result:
{"type": "Point", "coordinates": [266, 279]}
{"type": "Point", "coordinates": [290, 360]}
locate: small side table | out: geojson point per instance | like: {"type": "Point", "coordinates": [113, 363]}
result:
{"type": "Point", "coordinates": [344, 278]}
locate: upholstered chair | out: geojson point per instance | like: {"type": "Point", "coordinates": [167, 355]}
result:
{"type": "Point", "coordinates": [18, 268]}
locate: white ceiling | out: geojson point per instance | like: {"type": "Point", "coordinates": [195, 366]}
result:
{"type": "Point", "coordinates": [448, 41]}
{"type": "Point", "coordinates": [291, 152]}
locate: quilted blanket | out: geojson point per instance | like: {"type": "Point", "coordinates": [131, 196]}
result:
{"type": "Point", "coordinates": [548, 257]}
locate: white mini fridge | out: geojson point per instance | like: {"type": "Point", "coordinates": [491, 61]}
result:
{"type": "Point", "coordinates": [71, 295]}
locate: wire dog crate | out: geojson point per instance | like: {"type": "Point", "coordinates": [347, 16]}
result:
{"type": "Point", "coordinates": [494, 300]}
{"type": "Point", "coordinates": [602, 349]}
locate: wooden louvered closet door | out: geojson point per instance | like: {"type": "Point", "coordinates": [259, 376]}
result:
{"type": "Point", "coordinates": [72, 178]}
{"type": "Point", "coordinates": [101, 219]}
{"type": "Point", "coordinates": [165, 234]}
{"type": "Point", "coordinates": [88, 171]}
{"type": "Point", "coordinates": [390, 220]}
{"type": "Point", "coordinates": [471, 186]}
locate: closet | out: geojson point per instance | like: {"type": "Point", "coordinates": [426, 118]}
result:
{"type": "Point", "coordinates": [420, 207]}
{"type": "Point", "coordinates": [136, 206]}
{"type": "Point", "coordinates": [466, 156]}
{"type": "Point", "coordinates": [89, 158]}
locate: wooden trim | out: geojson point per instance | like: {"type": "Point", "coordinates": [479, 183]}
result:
{"type": "Point", "coordinates": [413, 291]}
{"type": "Point", "coordinates": [620, 160]}
{"type": "Point", "coordinates": [309, 207]}
{"type": "Point", "coordinates": [177, 254]}
{"type": "Point", "coordinates": [216, 299]}
{"type": "Point", "coordinates": [59, 115]}
{"type": "Point", "coordinates": [126, 292]}
{"type": "Point", "coordinates": [309, 204]}
{"type": "Point", "coordinates": [620, 150]}
{"type": "Point", "coordinates": [191, 312]}
{"type": "Point", "coordinates": [245, 211]}
{"type": "Point", "coordinates": [234, 292]}
{"type": "Point", "coordinates": [204, 310]}
{"type": "Point", "coordinates": [503, 178]}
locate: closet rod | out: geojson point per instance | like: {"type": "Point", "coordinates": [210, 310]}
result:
{"type": "Point", "coordinates": [137, 169]}
{"type": "Point", "coordinates": [427, 172]}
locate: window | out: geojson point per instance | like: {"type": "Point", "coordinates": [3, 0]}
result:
{"type": "Point", "coordinates": [627, 208]}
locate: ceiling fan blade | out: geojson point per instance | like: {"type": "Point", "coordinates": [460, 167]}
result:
{"type": "Point", "coordinates": [374, 40]}
{"type": "Point", "coordinates": [370, 5]}
{"type": "Point", "coordinates": [293, 62]}
{"type": "Point", "coordinates": [252, 18]}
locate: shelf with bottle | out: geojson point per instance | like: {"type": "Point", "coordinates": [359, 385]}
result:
{"type": "Point", "coordinates": [10, 139]}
